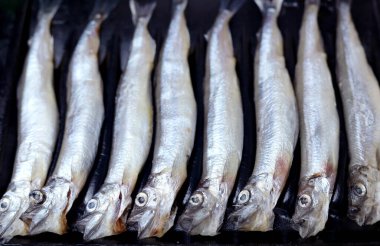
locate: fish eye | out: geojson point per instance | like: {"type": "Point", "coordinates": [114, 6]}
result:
{"type": "Point", "coordinates": [37, 196]}
{"type": "Point", "coordinates": [354, 210]}
{"type": "Point", "coordinates": [4, 204]}
{"type": "Point", "coordinates": [359, 189]}
{"type": "Point", "coordinates": [304, 201]}
{"type": "Point", "coordinates": [141, 199]}
{"type": "Point", "coordinates": [244, 196]}
{"type": "Point", "coordinates": [92, 205]}
{"type": "Point", "coordinates": [196, 199]}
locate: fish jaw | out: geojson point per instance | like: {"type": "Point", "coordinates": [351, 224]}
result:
{"type": "Point", "coordinates": [204, 212]}
{"type": "Point", "coordinates": [49, 206]}
{"type": "Point", "coordinates": [12, 205]}
{"type": "Point", "coordinates": [253, 210]}
{"type": "Point", "coordinates": [153, 213]}
{"type": "Point", "coordinates": [106, 213]}
{"type": "Point", "coordinates": [362, 194]}
{"type": "Point", "coordinates": [311, 212]}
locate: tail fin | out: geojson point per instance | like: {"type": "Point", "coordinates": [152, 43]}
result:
{"type": "Point", "coordinates": [179, 4]}
{"type": "Point", "coordinates": [48, 8]}
{"type": "Point", "coordinates": [339, 2]}
{"type": "Point", "coordinates": [269, 4]}
{"type": "Point", "coordinates": [103, 8]}
{"type": "Point", "coordinates": [142, 9]}
{"type": "Point", "coordinates": [310, 2]}
{"type": "Point", "coordinates": [231, 5]}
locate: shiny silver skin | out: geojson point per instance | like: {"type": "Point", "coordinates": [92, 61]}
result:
{"type": "Point", "coordinates": [319, 127]}
{"type": "Point", "coordinates": [361, 102]}
{"type": "Point", "coordinates": [154, 210]}
{"type": "Point", "coordinates": [37, 127]}
{"type": "Point", "coordinates": [277, 129]}
{"type": "Point", "coordinates": [106, 212]}
{"type": "Point", "coordinates": [85, 112]}
{"type": "Point", "coordinates": [223, 135]}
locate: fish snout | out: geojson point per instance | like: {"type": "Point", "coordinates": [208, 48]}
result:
{"type": "Point", "coordinates": [185, 224]}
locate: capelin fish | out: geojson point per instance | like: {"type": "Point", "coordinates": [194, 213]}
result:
{"type": "Point", "coordinates": [361, 102]}
{"type": "Point", "coordinates": [85, 112]}
{"type": "Point", "coordinates": [106, 212]}
{"type": "Point", "coordinates": [37, 125]}
{"type": "Point", "coordinates": [319, 128]}
{"type": "Point", "coordinates": [223, 137]}
{"type": "Point", "coordinates": [154, 209]}
{"type": "Point", "coordinates": [277, 128]}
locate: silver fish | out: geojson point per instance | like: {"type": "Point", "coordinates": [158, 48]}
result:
{"type": "Point", "coordinates": [361, 101]}
{"type": "Point", "coordinates": [37, 125]}
{"type": "Point", "coordinates": [319, 127]}
{"type": "Point", "coordinates": [106, 212]}
{"type": "Point", "coordinates": [277, 128]}
{"type": "Point", "coordinates": [223, 135]}
{"type": "Point", "coordinates": [85, 112]}
{"type": "Point", "coordinates": [153, 212]}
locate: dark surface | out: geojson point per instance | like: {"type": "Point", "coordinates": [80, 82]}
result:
{"type": "Point", "coordinates": [17, 20]}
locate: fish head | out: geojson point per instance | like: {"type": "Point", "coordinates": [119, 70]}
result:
{"type": "Point", "coordinates": [311, 212]}
{"type": "Point", "coordinates": [105, 214]}
{"type": "Point", "coordinates": [204, 212]}
{"type": "Point", "coordinates": [153, 213]}
{"type": "Point", "coordinates": [12, 205]}
{"type": "Point", "coordinates": [48, 207]}
{"type": "Point", "coordinates": [253, 210]}
{"type": "Point", "coordinates": [361, 193]}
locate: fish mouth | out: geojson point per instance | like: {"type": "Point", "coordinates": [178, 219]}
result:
{"type": "Point", "coordinates": [152, 224]}
{"type": "Point", "coordinates": [154, 220]}
{"type": "Point", "coordinates": [48, 209]}
{"type": "Point", "coordinates": [255, 215]}
{"type": "Point", "coordinates": [307, 227]}
{"type": "Point", "coordinates": [13, 227]}
{"type": "Point", "coordinates": [204, 215]}
{"type": "Point", "coordinates": [92, 231]}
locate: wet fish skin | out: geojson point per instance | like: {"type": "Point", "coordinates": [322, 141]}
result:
{"type": "Point", "coordinates": [106, 212]}
{"type": "Point", "coordinates": [85, 112]}
{"type": "Point", "coordinates": [319, 128]}
{"type": "Point", "coordinates": [223, 136]}
{"type": "Point", "coordinates": [154, 209]}
{"type": "Point", "coordinates": [37, 125]}
{"type": "Point", "coordinates": [277, 129]}
{"type": "Point", "coordinates": [361, 102]}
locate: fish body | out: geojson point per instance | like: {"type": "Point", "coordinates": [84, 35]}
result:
{"type": "Point", "coordinates": [319, 123]}
{"type": "Point", "coordinates": [85, 112]}
{"type": "Point", "coordinates": [223, 135]}
{"type": "Point", "coordinates": [361, 102]}
{"type": "Point", "coordinates": [154, 210]}
{"type": "Point", "coordinates": [37, 125]}
{"type": "Point", "coordinates": [277, 128]}
{"type": "Point", "coordinates": [106, 212]}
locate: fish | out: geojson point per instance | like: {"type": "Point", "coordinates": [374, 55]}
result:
{"type": "Point", "coordinates": [154, 208]}
{"type": "Point", "coordinates": [106, 213]}
{"type": "Point", "coordinates": [223, 134]}
{"type": "Point", "coordinates": [360, 94]}
{"type": "Point", "coordinates": [49, 206]}
{"type": "Point", "coordinates": [38, 125]}
{"type": "Point", "coordinates": [277, 128]}
{"type": "Point", "coordinates": [319, 123]}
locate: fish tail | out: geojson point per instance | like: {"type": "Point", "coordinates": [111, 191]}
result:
{"type": "Point", "coordinates": [313, 2]}
{"type": "Point", "coordinates": [264, 5]}
{"type": "Point", "coordinates": [231, 5]}
{"type": "Point", "coordinates": [142, 9]}
{"type": "Point", "coordinates": [102, 9]}
{"type": "Point", "coordinates": [48, 8]}
{"type": "Point", "coordinates": [179, 4]}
